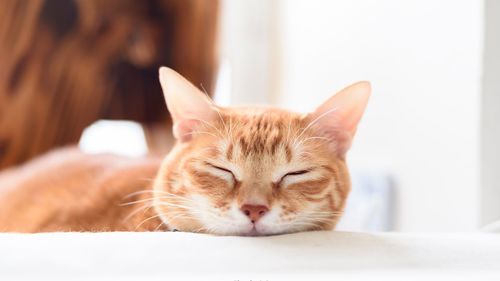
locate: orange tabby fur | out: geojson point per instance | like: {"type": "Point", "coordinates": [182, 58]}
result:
{"type": "Point", "coordinates": [67, 190]}
{"type": "Point", "coordinates": [233, 171]}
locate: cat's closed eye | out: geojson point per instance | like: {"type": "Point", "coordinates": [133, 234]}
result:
{"type": "Point", "coordinates": [301, 172]}
{"type": "Point", "coordinates": [222, 169]}
{"type": "Point", "coordinates": [294, 173]}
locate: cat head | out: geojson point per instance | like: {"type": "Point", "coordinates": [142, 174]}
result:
{"type": "Point", "coordinates": [255, 170]}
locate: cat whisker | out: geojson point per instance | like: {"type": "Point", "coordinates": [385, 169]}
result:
{"type": "Point", "coordinates": [144, 208]}
{"type": "Point", "coordinates": [168, 204]}
{"type": "Point", "coordinates": [318, 216]}
{"type": "Point", "coordinates": [175, 197]}
{"type": "Point", "coordinates": [143, 200]}
{"type": "Point", "coordinates": [173, 215]}
{"type": "Point", "coordinates": [177, 215]}
{"type": "Point", "coordinates": [313, 138]}
{"type": "Point", "coordinates": [163, 196]}
{"type": "Point", "coordinates": [148, 219]}
{"type": "Point", "coordinates": [192, 211]}
{"type": "Point", "coordinates": [137, 193]}
{"type": "Point", "coordinates": [319, 219]}
{"type": "Point", "coordinates": [136, 202]}
{"type": "Point", "coordinates": [326, 212]}
{"type": "Point", "coordinates": [295, 226]}
{"type": "Point", "coordinates": [220, 117]}
{"type": "Point", "coordinates": [160, 225]}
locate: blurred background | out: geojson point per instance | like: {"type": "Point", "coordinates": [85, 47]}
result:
{"type": "Point", "coordinates": [426, 154]}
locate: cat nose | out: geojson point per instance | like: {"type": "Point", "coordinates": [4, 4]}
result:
{"type": "Point", "coordinates": [254, 212]}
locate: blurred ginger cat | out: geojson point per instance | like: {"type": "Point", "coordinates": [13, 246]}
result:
{"type": "Point", "coordinates": [233, 171]}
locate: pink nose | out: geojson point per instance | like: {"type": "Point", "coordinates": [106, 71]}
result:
{"type": "Point", "coordinates": [254, 212]}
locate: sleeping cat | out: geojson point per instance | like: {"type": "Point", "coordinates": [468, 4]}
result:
{"type": "Point", "coordinates": [233, 171]}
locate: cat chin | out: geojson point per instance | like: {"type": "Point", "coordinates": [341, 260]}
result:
{"type": "Point", "coordinates": [250, 233]}
{"type": "Point", "coordinates": [250, 230]}
{"type": "Point", "coordinates": [261, 230]}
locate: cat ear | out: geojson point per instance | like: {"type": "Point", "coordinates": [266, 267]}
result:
{"type": "Point", "coordinates": [338, 117]}
{"type": "Point", "coordinates": [187, 104]}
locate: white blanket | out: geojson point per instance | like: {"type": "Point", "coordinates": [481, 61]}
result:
{"type": "Point", "coordinates": [303, 256]}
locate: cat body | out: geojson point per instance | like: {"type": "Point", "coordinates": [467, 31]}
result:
{"type": "Point", "coordinates": [68, 190]}
{"type": "Point", "coordinates": [233, 171]}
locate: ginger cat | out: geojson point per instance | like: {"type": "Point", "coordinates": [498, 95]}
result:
{"type": "Point", "coordinates": [233, 171]}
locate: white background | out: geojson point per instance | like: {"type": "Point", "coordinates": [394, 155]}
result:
{"type": "Point", "coordinates": [424, 59]}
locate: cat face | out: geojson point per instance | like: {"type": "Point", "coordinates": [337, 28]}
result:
{"type": "Point", "coordinates": [255, 171]}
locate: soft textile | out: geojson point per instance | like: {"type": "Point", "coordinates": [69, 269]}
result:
{"type": "Point", "coordinates": [302, 256]}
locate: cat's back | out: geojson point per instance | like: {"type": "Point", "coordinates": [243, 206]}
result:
{"type": "Point", "coordinates": [70, 190]}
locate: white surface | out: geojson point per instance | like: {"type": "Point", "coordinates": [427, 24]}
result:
{"type": "Point", "coordinates": [424, 60]}
{"type": "Point", "coordinates": [315, 255]}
